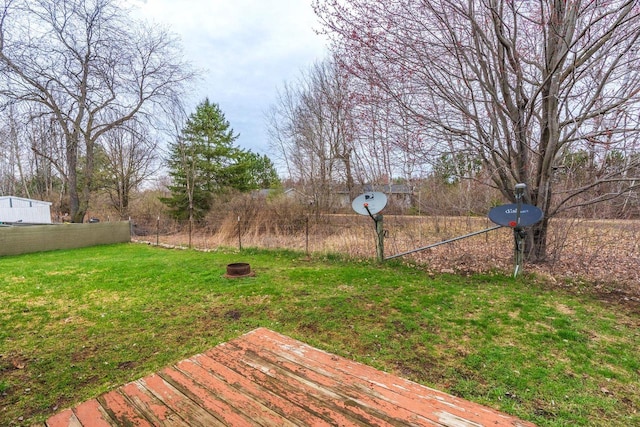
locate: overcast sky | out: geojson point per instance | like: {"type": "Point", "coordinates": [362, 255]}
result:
{"type": "Point", "coordinates": [247, 49]}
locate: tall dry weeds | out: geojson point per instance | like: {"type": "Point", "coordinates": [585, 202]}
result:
{"type": "Point", "coordinates": [602, 252]}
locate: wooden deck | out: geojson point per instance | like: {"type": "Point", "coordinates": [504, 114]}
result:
{"type": "Point", "coordinates": [267, 379]}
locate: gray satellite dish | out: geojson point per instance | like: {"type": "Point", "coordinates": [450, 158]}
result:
{"type": "Point", "coordinates": [373, 200]}
{"type": "Point", "coordinates": [505, 215]}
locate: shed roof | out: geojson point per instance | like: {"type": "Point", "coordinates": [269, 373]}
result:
{"type": "Point", "coordinates": [24, 199]}
{"type": "Point", "coordinates": [383, 188]}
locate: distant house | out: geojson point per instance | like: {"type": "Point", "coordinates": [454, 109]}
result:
{"type": "Point", "coordinates": [20, 210]}
{"type": "Point", "coordinates": [267, 192]}
{"type": "Point", "coordinates": [293, 194]}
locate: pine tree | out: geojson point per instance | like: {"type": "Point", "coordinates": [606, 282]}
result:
{"type": "Point", "coordinates": [254, 171]}
{"type": "Point", "coordinates": [201, 162]}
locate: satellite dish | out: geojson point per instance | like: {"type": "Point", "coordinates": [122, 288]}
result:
{"type": "Point", "coordinates": [374, 200]}
{"type": "Point", "coordinates": [505, 215]}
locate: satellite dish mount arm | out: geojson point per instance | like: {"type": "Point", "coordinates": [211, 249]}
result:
{"type": "Point", "coordinates": [377, 219]}
{"type": "Point", "coordinates": [374, 218]}
{"type": "Point", "coordinates": [370, 204]}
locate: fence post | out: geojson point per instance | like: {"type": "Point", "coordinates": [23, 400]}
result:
{"type": "Point", "coordinates": [239, 234]}
{"type": "Point", "coordinates": [307, 235]}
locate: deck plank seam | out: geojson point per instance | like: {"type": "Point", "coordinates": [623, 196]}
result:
{"type": "Point", "coordinates": [460, 407]}
{"type": "Point", "coordinates": [364, 384]}
{"type": "Point", "coordinates": [292, 395]}
{"type": "Point", "coordinates": [205, 387]}
{"type": "Point", "coordinates": [348, 403]}
{"type": "Point", "coordinates": [298, 415]}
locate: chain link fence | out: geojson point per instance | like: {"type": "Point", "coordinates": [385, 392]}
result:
{"type": "Point", "coordinates": [606, 251]}
{"type": "Point", "coordinates": [352, 235]}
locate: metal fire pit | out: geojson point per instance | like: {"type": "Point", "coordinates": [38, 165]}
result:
{"type": "Point", "coordinates": [239, 269]}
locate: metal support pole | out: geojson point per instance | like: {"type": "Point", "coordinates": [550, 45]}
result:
{"type": "Point", "coordinates": [475, 233]}
{"type": "Point", "coordinates": [519, 235]}
{"type": "Point", "coordinates": [378, 220]}
{"type": "Point", "coordinates": [380, 233]}
{"type": "Point", "coordinates": [518, 232]}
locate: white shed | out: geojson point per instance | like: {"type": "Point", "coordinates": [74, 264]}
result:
{"type": "Point", "coordinates": [28, 211]}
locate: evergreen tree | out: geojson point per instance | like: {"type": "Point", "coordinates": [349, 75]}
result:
{"type": "Point", "coordinates": [202, 162]}
{"type": "Point", "coordinates": [256, 172]}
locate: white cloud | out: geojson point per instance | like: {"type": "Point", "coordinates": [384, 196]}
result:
{"type": "Point", "coordinates": [247, 48]}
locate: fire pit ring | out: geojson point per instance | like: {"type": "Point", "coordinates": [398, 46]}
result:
{"type": "Point", "coordinates": [239, 269]}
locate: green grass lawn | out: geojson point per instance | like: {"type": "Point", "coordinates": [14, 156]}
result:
{"type": "Point", "coordinates": [74, 324]}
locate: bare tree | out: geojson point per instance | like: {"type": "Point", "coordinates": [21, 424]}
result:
{"type": "Point", "coordinates": [12, 178]}
{"type": "Point", "coordinates": [389, 144]}
{"type": "Point", "coordinates": [47, 172]}
{"type": "Point", "coordinates": [91, 68]}
{"type": "Point", "coordinates": [312, 129]}
{"type": "Point", "coordinates": [517, 83]}
{"type": "Point", "coordinates": [22, 172]}
{"type": "Point", "coordinates": [131, 156]}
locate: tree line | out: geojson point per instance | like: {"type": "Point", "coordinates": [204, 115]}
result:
{"type": "Point", "coordinates": [87, 94]}
{"type": "Point", "coordinates": [467, 93]}
{"type": "Point", "coordinates": [543, 92]}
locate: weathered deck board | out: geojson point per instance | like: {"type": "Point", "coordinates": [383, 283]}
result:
{"type": "Point", "coordinates": [267, 379]}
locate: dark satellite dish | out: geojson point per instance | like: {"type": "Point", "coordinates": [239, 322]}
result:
{"type": "Point", "coordinates": [373, 200]}
{"type": "Point", "coordinates": [505, 215]}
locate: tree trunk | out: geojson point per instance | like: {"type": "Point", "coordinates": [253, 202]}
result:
{"type": "Point", "coordinates": [72, 166]}
{"type": "Point", "coordinates": [124, 201]}
{"type": "Point", "coordinates": [79, 200]}
{"type": "Point", "coordinates": [536, 243]}
{"type": "Point", "coordinates": [74, 199]}
{"type": "Point", "coordinates": [190, 221]}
